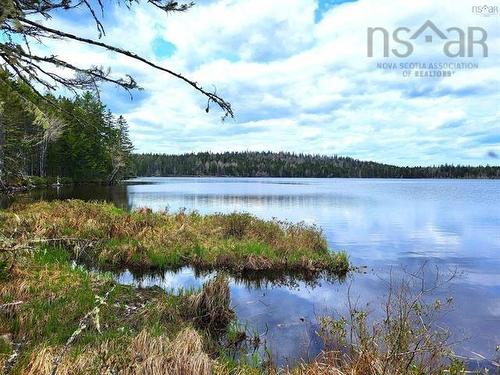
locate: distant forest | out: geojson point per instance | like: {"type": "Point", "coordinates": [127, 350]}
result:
{"type": "Point", "coordinates": [284, 164]}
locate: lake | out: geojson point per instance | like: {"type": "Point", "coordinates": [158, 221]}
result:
{"type": "Point", "coordinates": [384, 224]}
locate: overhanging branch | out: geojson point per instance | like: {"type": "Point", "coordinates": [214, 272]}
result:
{"type": "Point", "coordinates": [212, 96]}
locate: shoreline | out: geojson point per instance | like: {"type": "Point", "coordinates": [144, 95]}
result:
{"type": "Point", "coordinates": [17, 188]}
{"type": "Point", "coordinates": [321, 178]}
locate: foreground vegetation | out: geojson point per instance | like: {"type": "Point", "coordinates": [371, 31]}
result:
{"type": "Point", "coordinates": [285, 164]}
{"type": "Point", "coordinates": [143, 240]}
{"type": "Point", "coordinates": [57, 318]}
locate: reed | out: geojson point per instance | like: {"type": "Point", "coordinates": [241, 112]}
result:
{"type": "Point", "coordinates": [211, 306]}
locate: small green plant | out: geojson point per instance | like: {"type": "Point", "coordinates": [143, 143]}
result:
{"type": "Point", "coordinates": [457, 367]}
{"type": "Point", "coordinates": [4, 270]}
{"type": "Point", "coordinates": [333, 332]}
{"type": "Point", "coordinates": [5, 347]}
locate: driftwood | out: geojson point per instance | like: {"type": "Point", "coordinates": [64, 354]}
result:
{"type": "Point", "coordinates": [79, 244]}
{"type": "Point", "coordinates": [84, 322]}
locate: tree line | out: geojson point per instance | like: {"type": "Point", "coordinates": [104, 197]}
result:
{"type": "Point", "coordinates": [49, 137]}
{"type": "Point", "coordinates": [285, 164]}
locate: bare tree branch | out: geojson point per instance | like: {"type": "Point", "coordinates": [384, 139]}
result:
{"type": "Point", "coordinates": [27, 66]}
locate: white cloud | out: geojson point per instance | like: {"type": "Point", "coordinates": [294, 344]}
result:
{"type": "Point", "coordinates": [302, 86]}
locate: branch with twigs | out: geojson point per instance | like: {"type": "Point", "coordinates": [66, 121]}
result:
{"type": "Point", "coordinates": [408, 333]}
{"type": "Point", "coordinates": [28, 67]}
{"type": "Point", "coordinates": [84, 323]}
{"type": "Point", "coordinates": [10, 305]}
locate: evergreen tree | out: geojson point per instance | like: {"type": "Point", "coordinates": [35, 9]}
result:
{"type": "Point", "coordinates": [47, 141]}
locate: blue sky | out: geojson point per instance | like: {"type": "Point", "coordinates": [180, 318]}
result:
{"type": "Point", "coordinates": [299, 79]}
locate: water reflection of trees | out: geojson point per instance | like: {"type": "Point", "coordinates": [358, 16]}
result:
{"type": "Point", "coordinates": [158, 199]}
{"type": "Point", "coordinates": [253, 279]}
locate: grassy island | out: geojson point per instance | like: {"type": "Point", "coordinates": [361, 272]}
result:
{"type": "Point", "coordinates": [143, 240]}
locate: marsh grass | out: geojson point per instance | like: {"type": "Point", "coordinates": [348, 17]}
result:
{"type": "Point", "coordinates": [145, 240]}
{"type": "Point", "coordinates": [137, 331]}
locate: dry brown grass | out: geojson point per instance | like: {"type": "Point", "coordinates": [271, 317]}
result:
{"type": "Point", "coordinates": [211, 306]}
{"type": "Point", "coordinates": [158, 355]}
{"type": "Point", "coordinates": [40, 362]}
{"type": "Point", "coordinates": [147, 354]}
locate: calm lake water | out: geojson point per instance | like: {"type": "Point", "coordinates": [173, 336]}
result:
{"type": "Point", "coordinates": [386, 225]}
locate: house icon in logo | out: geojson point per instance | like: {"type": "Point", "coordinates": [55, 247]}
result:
{"type": "Point", "coordinates": [428, 37]}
